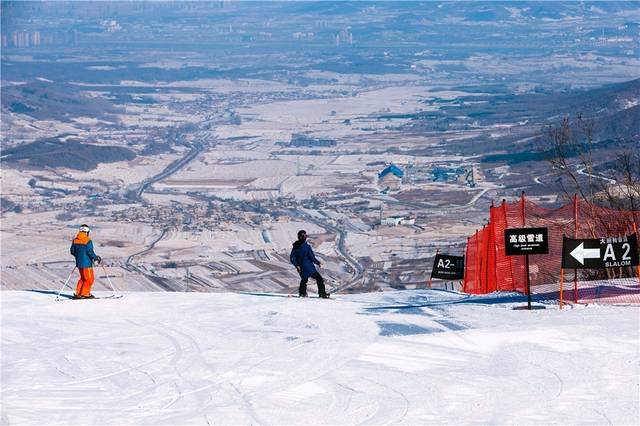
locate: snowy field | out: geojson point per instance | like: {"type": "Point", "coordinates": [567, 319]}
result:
{"type": "Point", "coordinates": [410, 357]}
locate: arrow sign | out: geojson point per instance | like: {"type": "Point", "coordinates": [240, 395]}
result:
{"type": "Point", "coordinates": [605, 252]}
{"type": "Point", "coordinates": [580, 253]}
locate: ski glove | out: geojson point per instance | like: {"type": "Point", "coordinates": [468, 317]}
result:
{"type": "Point", "coordinates": [98, 259]}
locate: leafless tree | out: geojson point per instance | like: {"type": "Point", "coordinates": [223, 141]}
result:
{"type": "Point", "coordinates": [576, 161]}
{"type": "Point", "coordinates": [598, 177]}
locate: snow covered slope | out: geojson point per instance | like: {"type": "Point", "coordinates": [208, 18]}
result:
{"type": "Point", "coordinates": [413, 357]}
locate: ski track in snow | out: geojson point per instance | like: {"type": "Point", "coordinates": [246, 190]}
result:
{"type": "Point", "coordinates": [411, 357]}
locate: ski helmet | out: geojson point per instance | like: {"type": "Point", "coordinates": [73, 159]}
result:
{"type": "Point", "coordinates": [85, 228]}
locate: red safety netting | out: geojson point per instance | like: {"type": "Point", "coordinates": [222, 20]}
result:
{"type": "Point", "coordinates": [488, 269]}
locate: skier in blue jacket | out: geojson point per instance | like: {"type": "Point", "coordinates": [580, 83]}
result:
{"type": "Point", "coordinates": [82, 250]}
{"type": "Point", "coordinates": [303, 259]}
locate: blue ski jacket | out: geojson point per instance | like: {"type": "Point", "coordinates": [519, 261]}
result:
{"type": "Point", "coordinates": [82, 250]}
{"type": "Point", "coordinates": [302, 256]}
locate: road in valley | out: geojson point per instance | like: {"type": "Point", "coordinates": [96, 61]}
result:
{"type": "Point", "coordinates": [196, 149]}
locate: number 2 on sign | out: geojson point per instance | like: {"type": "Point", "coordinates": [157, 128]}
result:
{"type": "Point", "coordinates": [609, 253]}
{"type": "Point", "coordinates": [444, 263]}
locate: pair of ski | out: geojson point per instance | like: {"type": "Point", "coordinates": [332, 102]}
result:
{"type": "Point", "coordinates": [113, 296]}
{"type": "Point", "coordinates": [69, 297]}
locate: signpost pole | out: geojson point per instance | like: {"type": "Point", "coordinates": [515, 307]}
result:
{"type": "Point", "coordinates": [526, 259]}
{"type": "Point", "coordinates": [524, 225]}
{"type": "Point", "coordinates": [575, 235]}
{"type": "Point", "coordinates": [635, 231]}
{"type": "Point", "coordinates": [561, 286]}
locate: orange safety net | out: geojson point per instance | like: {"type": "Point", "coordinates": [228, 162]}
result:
{"type": "Point", "coordinates": [489, 269]}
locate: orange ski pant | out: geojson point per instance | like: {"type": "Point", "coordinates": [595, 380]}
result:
{"type": "Point", "coordinates": [85, 282]}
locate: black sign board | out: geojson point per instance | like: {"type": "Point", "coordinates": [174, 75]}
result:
{"type": "Point", "coordinates": [447, 267]}
{"type": "Point", "coordinates": [520, 241]}
{"type": "Point", "coordinates": [600, 252]}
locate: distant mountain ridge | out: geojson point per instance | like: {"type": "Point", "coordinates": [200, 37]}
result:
{"type": "Point", "coordinates": [44, 100]}
{"type": "Point", "coordinates": [613, 108]}
{"type": "Point", "coordinates": [612, 111]}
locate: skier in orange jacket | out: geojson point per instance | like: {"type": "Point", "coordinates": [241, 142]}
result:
{"type": "Point", "coordinates": [82, 250]}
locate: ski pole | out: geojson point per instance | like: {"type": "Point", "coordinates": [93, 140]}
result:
{"type": "Point", "coordinates": [109, 279]}
{"type": "Point", "coordinates": [65, 283]}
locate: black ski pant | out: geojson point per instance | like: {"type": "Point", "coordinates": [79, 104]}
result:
{"type": "Point", "coordinates": [303, 285]}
